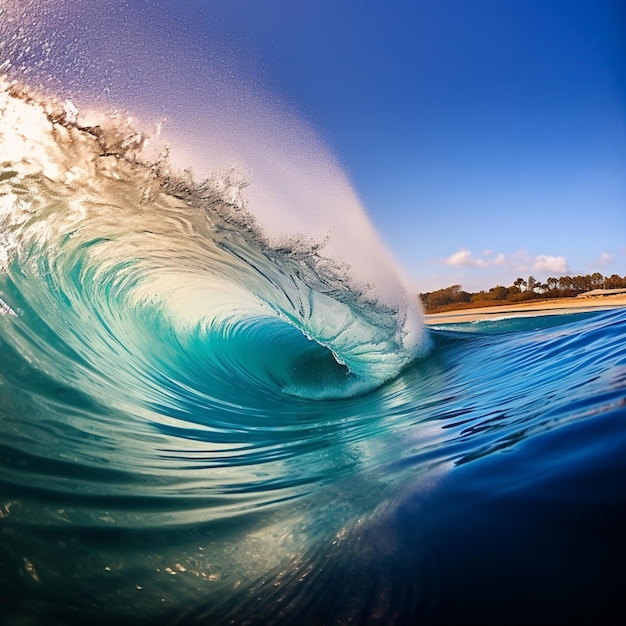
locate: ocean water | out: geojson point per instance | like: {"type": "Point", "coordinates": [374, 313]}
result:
{"type": "Point", "coordinates": [202, 422]}
{"type": "Point", "coordinates": [198, 427]}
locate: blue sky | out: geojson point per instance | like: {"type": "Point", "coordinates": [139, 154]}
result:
{"type": "Point", "coordinates": [486, 139]}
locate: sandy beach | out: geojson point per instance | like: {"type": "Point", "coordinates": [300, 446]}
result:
{"type": "Point", "coordinates": [555, 306]}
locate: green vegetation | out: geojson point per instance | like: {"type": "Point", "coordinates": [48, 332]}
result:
{"type": "Point", "coordinates": [520, 291]}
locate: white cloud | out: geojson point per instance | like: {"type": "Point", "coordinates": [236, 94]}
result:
{"type": "Point", "coordinates": [605, 259]}
{"type": "Point", "coordinates": [464, 258]}
{"type": "Point", "coordinates": [520, 261]}
{"type": "Point", "coordinates": [552, 264]}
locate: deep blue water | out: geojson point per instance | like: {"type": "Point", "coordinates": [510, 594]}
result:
{"type": "Point", "coordinates": [200, 427]}
{"type": "Point", "coordinates": [485, 484]}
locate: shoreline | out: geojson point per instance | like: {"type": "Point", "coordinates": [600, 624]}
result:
{"type": "Point", "coordinates": [556, 306]}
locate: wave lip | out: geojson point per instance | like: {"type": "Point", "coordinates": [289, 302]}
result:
{"type": "Point", "coordinates": [85, 193]}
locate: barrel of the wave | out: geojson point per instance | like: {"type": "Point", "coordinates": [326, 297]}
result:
{"type": "Point", "coordinates": [366, 340]}
{"type": "Point", "coordinates": [374, 341]}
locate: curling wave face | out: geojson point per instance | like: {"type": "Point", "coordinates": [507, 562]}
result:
{"type": "Point", "coordinates": [142, 298]}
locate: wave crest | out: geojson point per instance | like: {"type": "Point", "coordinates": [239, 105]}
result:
{"type": "Point", "coordinates": [113, 232]}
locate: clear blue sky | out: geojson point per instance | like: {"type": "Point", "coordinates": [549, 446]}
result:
{"type": "Point", "coordinates": [485, 138]}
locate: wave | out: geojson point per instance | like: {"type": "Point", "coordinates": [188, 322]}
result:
{"type": "Point", "coordinates": [185, 426]}
{"type": "Point", "coordinates": [111, 232]}
{"type": "Point", "coordinates": [203, 420]}
{"type": "Point", "coordinates": [134, 297]}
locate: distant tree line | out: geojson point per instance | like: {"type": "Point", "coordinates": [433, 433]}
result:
{"type": "Point", "coordinates": [520, 291]}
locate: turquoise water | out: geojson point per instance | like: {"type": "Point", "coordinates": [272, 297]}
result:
{"type": "Point", "coordinates": [198, 426]}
